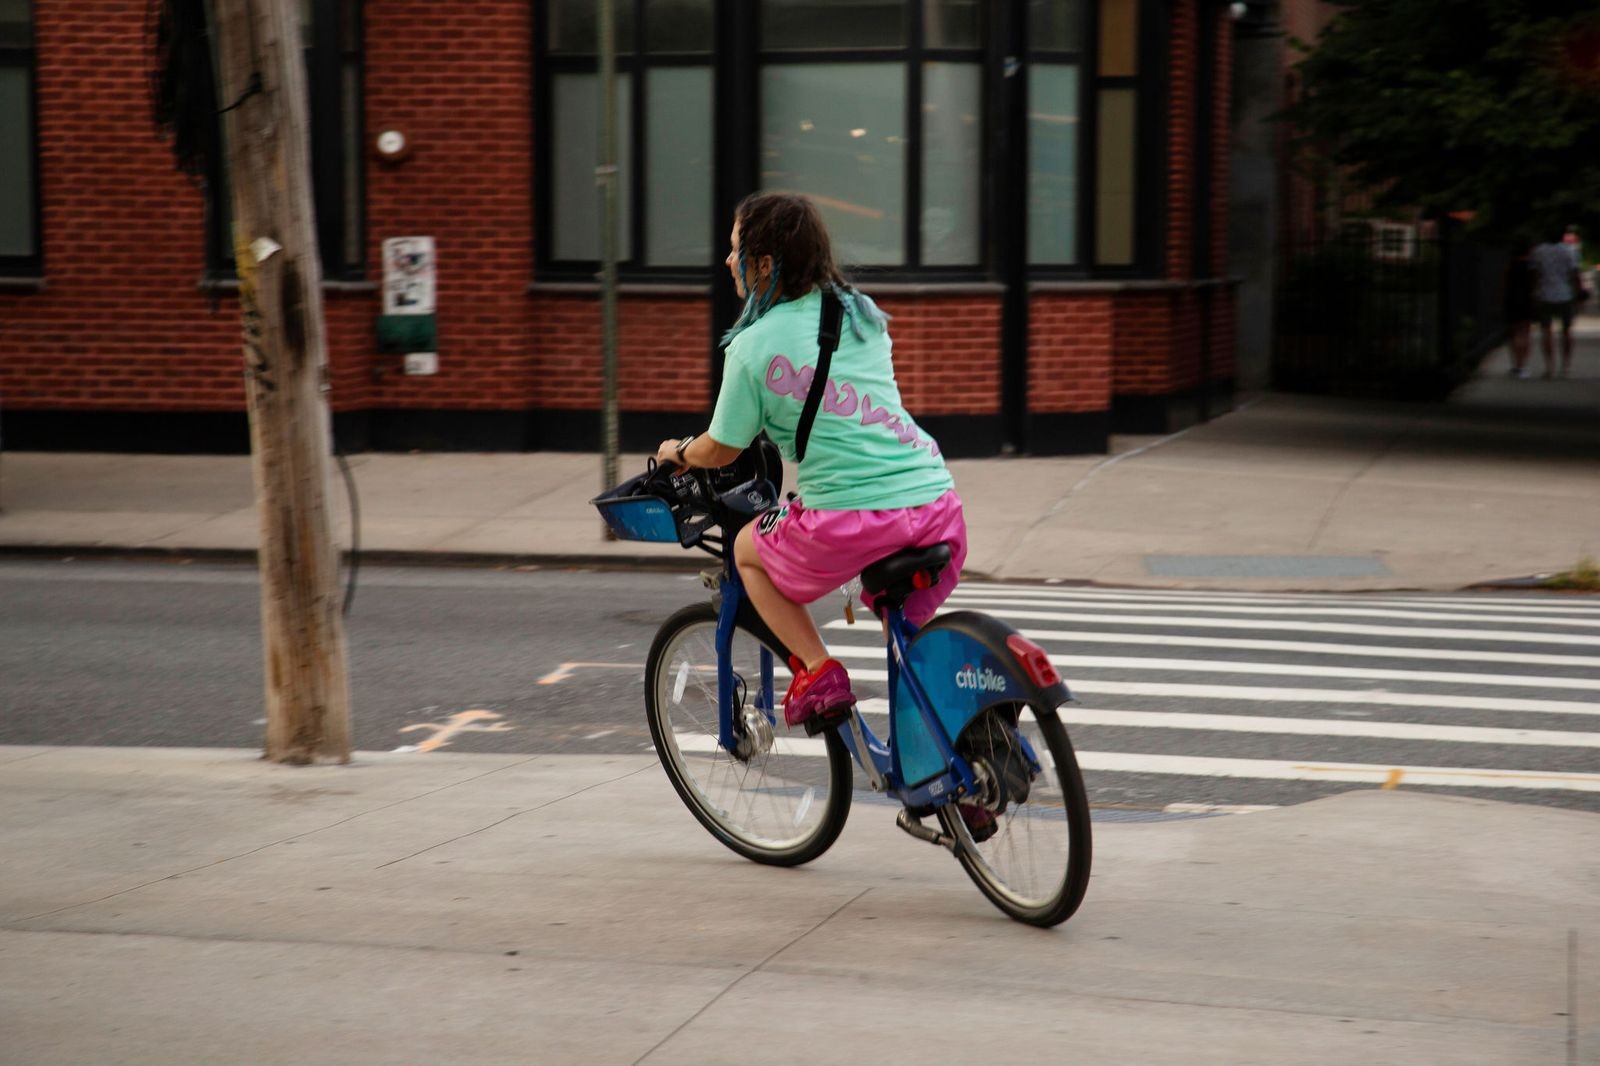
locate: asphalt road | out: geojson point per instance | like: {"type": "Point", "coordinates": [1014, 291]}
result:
{"type": "Point", "coordinates": [1284, 698]}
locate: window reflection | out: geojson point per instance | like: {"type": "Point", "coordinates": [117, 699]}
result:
{"type": "Point", "coordinates": [836, 131]}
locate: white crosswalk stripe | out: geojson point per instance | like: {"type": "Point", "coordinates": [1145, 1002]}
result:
{"type": "Point", "coordinates": [1474, 692]}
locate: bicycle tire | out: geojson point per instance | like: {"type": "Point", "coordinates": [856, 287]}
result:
{"type": "Point", "coordinates": [1055, 900]}
{"type": "Point", "coordinates": [742, 803]}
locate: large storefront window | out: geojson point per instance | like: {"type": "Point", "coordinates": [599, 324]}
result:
{"type": "Point", "coordinates": [19, 211]}
{"type": "Point", "coordinates": [886, 112]}
{"type": "Point", "coordinates": [331, 38]}
{"type": "Point", "coordinates": [664, 126]}
{"type": "Point", "coordinates": [1070, 91]}
{"type": "Point", "coordinates": [875, 109]}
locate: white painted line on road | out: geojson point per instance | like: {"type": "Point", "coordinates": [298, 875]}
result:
{"type": "Point", "coordinates": [1377, 651]}
{"type": "Point", "coordinates": [1224, 666]}
{"type": "Point", "coordinates": [1359, 697]}
{"type": "Point", "coordinates": [1498, 636]}
{"type": "Point", "coordinates": [1323, 727]}
{"type": "Point", "coordinates": [1591, 621]}
{"type": "Point", "coordinates": [1353, 773]}
{"type": "Point", "coordinates": [1259, 769]}
{"type": "Point", "coordinates": [1553, 603]}
{"type": "Point", "coordinates": [1075, 715]}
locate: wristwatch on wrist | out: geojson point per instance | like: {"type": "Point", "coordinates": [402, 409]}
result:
{"type": "Point", "coordinates": [682, 444]}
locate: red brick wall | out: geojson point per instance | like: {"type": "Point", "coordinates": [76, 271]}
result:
{"type": "Point", "coordinates": [661, 353]}
{"type": "Point", "coordinates": [946, 353]}
{"type": "Point", "coordinates": [457, 79]}
{"type": "Point", "coordinates": [1180, 141]}
{"type": "Point", "coordinates": [122, 324]}
{"type": "Point", "coordinates": [1070, 346]}
{"type": "Point", "coordinates": [1221, 143]}
{"type": "Point", "coordinates": [1157, 340]}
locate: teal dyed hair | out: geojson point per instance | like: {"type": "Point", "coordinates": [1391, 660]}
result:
{"type": "Point", "coordinates": [789, 228]}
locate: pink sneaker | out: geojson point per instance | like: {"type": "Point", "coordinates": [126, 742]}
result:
{"type": "Point", "coordinates": [822, 695]}
{"type": "Point", "coordinates": [981, 823]}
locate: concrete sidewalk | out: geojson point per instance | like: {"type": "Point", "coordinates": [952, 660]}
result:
{"type": "Point", "coordinates": [1286, 492]}
{"type": "Point", "coordinates": [183, 906]}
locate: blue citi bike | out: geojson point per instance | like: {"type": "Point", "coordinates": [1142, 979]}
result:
{"type": "Point", "coordinates": [970, 707]}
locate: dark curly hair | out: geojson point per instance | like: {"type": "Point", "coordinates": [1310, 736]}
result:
{"type": "Point", "coordinates": [789, 228]}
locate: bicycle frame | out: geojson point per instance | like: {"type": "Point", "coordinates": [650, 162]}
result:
{"type": "Point", "coordinates": [876, 758]}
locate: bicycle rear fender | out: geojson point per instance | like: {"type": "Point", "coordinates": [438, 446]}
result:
{"type": "Point", "coordinates": [964, 663]}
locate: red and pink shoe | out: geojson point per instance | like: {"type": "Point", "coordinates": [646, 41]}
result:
{"type": "Point", "coordinates": [817, 700]}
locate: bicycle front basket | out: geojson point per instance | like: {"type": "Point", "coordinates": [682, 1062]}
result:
{"type": "Point", "coordinates": [634, 514]}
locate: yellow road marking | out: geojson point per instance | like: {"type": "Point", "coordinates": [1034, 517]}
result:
{"type": "Point", "coordinates": [564, 671]}
{"type": "Point", "coordinates": [460, 722]}
{"type": "Point", "coordinates": [1393, 780]}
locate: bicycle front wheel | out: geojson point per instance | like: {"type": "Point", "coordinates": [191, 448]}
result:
{"type": "Point", "coordinates": [779, 799]}
{"type": "Point", "coordinates": [1032, 859]}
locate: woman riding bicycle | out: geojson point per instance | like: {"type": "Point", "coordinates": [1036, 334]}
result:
{"type": "Point", "coordinates": [871, 482]}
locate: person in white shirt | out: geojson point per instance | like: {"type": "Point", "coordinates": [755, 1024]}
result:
{"type": "Point", "coordinates": [1555, 293]}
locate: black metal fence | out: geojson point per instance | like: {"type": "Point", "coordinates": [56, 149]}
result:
{"type": "Point", "coordinates": [1387, 309]}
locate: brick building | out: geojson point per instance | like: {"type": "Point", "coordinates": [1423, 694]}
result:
{"type": "Point", "coordinates": [1034, 189]}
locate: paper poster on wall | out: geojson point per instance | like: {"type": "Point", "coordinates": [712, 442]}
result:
{"type": "Point", "coordinates": [408, 276]}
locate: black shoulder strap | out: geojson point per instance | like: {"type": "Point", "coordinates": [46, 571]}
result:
{"type": "Point", "coordinates": [827, 341]}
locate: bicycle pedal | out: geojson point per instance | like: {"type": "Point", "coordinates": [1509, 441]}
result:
{"type": "Point", "coordinates": [913, 825]}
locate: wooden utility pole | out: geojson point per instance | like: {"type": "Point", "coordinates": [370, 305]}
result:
{"type": "Point", "coordinates": [262, 87]}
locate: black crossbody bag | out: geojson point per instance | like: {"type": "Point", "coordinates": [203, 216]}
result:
{"type": "Point", "coordinates": [827, 341]}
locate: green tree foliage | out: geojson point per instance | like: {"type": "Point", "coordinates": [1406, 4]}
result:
{"type": "Point", "coordinates": [1488, 106]}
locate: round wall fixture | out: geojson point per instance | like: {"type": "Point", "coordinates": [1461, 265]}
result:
{"type": "Point", "coordinates": [393, 145]}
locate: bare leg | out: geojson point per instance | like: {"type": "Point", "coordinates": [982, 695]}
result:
{"type": "Point", "coordinates": [1519, 345]}
{"type": "Point", "coordinates": [790, 622]}
{"type": "Point", "coordinates": [1566, 350]}
{"type": "Point", "coordinates": [1548, 348]}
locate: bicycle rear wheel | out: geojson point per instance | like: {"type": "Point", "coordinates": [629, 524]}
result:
{"type": "Point", "coordinates": [1035, 865]}
{"type": "Point", "coordinates": [784, 800]}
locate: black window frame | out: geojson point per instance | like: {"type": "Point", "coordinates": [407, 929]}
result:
{"type": "Point", "coordinates": [25, 57]}
{"type": "Point", "coordinates": [338, 36]}
{"type": "Point", "coordinates": [913, 56]}
{"type": "Point", "coordinates": [1002, 189]}
{"type": "Point", "coordinates": [1150, 87]}
{"type": "Point", "coordinates": [636, 62]}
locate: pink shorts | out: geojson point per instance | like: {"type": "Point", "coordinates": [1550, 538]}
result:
{"type": "Point", "coordinates": [808, 554]}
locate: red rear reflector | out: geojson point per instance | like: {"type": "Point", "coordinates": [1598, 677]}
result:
{"type": "Point", "coordinates": [921, 580]}
{"type": "Point", "coordinates": [1033, 660]}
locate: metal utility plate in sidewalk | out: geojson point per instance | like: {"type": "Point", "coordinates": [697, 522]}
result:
{"type": "Point", "coordinates": [1265, 566]}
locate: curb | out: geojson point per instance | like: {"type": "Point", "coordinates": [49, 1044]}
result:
{"type": "Point", "coordinates": [368, 557]}
{"type": "Point", "coordinates": [688, 563]}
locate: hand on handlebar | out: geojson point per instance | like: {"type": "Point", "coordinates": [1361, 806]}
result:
{"type": "Point", "coordinates": [667, 455]}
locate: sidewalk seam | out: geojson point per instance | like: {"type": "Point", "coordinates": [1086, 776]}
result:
{"type": "Point", "coordinates": [518, 814]}
{"type": "Point", "coordinates": [1107, 463]}
{"type": "Point", "coordinates": [273, 843]}
{"type": "Point", "coordinates": [1338, 497]}
{"type": "Point", "coordinates": [752, 970]}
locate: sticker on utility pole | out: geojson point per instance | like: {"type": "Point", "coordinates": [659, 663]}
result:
{"type": "Point", "coordinates": [408, 276]}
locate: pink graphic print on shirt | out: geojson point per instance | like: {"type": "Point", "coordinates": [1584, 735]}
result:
{"type": "Point", "coordinates": [783, 379]}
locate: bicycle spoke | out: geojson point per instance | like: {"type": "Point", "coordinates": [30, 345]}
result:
{"type": "Point", "coordinates": [767, 800]}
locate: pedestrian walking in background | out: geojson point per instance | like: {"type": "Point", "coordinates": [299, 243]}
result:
{"type": "Point", "coordinates": [1556, 288]}
{"type": "Point", "coordinates": [1519, 308]}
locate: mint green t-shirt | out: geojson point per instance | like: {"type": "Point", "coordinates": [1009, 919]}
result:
{"type": "Point", "coordinates": [865, 453]}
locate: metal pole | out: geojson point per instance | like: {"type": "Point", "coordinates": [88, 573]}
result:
{"type": "Point", "coordinates": [606, 180]}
